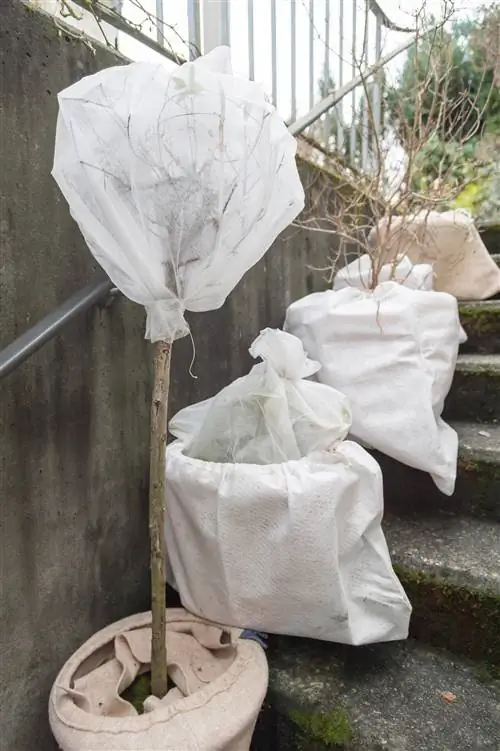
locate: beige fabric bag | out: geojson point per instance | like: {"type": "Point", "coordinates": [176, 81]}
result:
{"type": "Point", "coordinates": [448, 241]}
{"type": "Point", "coordinates": [220, 684]}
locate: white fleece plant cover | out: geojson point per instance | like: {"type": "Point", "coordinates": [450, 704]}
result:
{"type": "Point", "coordinates": [393, 352]}
{"type": "Point", "coordinates": [220, 682]}
{"type": "Point", "coordinates": [450, 242]}
{"type": "Point", "coordinates": [269, 416]}
{"type": "Point", "coordinates": [178, 181]}
{"type": "Point", "coordinates": [359, 274]}
{"type": "Point", "coordinates": [292, 548]}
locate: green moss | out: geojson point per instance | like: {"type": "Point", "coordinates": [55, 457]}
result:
{"type": "Point", "coordinates": [332, 729]}
{"type": "Point", "coordinates": [488, 673]}
{"type": "Point", "coordinates": [480, 320]}
{"type": "Point", "coordinates": [138, 692]}
{"type": "Point", "coordinates": [461, 620]}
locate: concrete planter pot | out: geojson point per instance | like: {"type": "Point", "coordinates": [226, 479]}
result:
{"type": "Point", "coordinates": [221, 682]}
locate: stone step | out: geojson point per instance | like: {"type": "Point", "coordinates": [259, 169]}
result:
{"type": "Point", "coordinates": [477, 492]}
{"type": "Point", "coordinates": [481, 321]}
{"type": "Point", "coordinates": [475, 391]}
{"type": "Point", "coordinates": [399, 696]}
{"type": "Point", "coordinates": [450, 569]}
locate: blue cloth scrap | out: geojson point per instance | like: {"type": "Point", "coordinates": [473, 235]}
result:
{"type": "Point", "coordinates": [257, 636]}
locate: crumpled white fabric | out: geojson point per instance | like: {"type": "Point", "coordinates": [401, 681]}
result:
{"type": "Point", "coordinates": [271, 415]}
{"type": "Point", "coordinates": [292, 548]}
{"type": "Point", "coordinates": [392, 351]}
{"type": "Point", "coordinates": [178, 181]}
{"type": "Point", "coordinates": [359, 274]}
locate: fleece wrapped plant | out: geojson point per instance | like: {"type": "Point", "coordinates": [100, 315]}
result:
{"type": "Point", "coordinates": [179, 183]}
{"type": "Point", "coordinates": [273, 518]}
{"type": "Point", "coordinates": [391, 347]}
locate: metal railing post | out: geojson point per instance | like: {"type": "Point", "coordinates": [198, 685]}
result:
{"type": "Point", "coordinates": [216, 24]}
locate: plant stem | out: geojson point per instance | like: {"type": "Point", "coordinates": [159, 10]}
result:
{"type": "Point", "coordinates": [159, 410]}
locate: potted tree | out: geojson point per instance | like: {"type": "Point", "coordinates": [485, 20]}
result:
{"type": "Point", "coordinates": [179, 183]}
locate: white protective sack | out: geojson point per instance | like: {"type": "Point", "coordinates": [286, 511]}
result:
{"type": "Point", "coordinates": [179, 181]}
{"type": "Point", "coordinates": [290, 543]}
{"type": "Point", "coordinates": [269, 416]}
{"type": "Point", "coordinates": [293, 548]}
{"type": "Point", "coordinates": [392, 351]}
{"type": "Point", "coordinates": [450, 242]}
{"type": "Point", "coordinates": [359, 273]}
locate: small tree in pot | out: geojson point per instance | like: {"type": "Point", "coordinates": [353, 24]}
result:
{"type": "Point", "coordinates": [179, 184]}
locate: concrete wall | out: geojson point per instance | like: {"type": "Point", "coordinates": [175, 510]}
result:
{"type": "Point", "coordinates": [74, 419]}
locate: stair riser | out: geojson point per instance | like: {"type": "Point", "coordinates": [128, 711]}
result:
{"type": "Point", "coordinates": [491, 238]}
{"type": "Point", "coordinates": [461, 620]}
{"type": "Point", "coordinates": [474, 396]}
{"type": "Point", "coordinates": [408, 491]}
{"type": "Point", "coordinates": [482, 328]}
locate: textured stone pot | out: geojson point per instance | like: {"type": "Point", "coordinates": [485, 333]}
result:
{"type": "Point", "coordinates": [87, 713]}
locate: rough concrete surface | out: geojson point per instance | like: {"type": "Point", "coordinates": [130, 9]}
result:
{"type": "Point", "coordinates": [74, 419]}
{"type": "Point", "coordinates": [477, 492]}
{"type": "Point", "coordinates": [388, 696]}
{"type": "Point", "coordinates": [475, 392]}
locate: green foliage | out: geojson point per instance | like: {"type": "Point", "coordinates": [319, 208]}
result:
{"type": "Point", "coordinates": [445, 109]}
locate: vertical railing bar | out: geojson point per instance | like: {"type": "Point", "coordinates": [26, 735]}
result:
{"type": "Point", "coordinates": [160, 36]}
{"type": "Point", "coordinates": [353, 95]}
{"type": "Point", "coordinates": [326, 73]}
{"type": "Point", "coordinates": [225, 22]}
{"type": "Point", "coordinates": [274, 72]}
{"type": "Point", "coordinates": [367, 94]}
{"type": "Point", "coordinates": [340, 106]}
{"type": "Point", "coordinates": [311, 54]}
{"type": "Point", "coordinates": [293, 58]}
{"type": "Point", "coordinates": [377, 84]}
{"type": "Point", "coordinates": [364, 134]}
{"type": "Point", "coordinates": [194, 28]}
{"type": "Point", "coordinates": [251, 42]}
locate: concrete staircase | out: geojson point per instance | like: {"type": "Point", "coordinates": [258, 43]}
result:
{"type": "Point", "coordinates": [440, 690]}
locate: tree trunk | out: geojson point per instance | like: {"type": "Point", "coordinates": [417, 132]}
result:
{"type": "Point", "coordinates": [159, 409]}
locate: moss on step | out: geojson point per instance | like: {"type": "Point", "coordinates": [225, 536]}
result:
{"type": "Point", "coordinates": [460, 619]}
{"type": "Point", "coordinates": [478, 319]}
{"type": "Point", "coordinates": [331, 730]}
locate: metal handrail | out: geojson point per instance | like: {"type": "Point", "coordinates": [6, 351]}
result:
{"type": "Point", "coordinates": [334, 98]}
{"type": "Point", "coordinates": [34, 338]}
{"type": "Point", "coordinates": [121, 24]}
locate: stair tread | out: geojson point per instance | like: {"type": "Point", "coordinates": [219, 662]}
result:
{"type": "Point", "coordinates": [480, 440]}
{"type": "Point", "coordinates": [474, 362]}
{"type": "Point", "coordinates": [491, 305]}
{"type": "Point", "coordinates": [383, 696]}
{"type": "Point", "coordinates": [459, 550]}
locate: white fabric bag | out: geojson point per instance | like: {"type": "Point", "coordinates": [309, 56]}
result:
{"type": "Point", "coordinates": [450, 242]}
{"type": "Point", "coordinates": [179, 181]}
{"type": "Point", "coordinates": [359, 274]}
{"type": "Point", "coordinates": [393, 352]}
{"type": "Point", "coordinates": [269, 416]}
{"type": "Point", "coordinates": [292, 548]}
